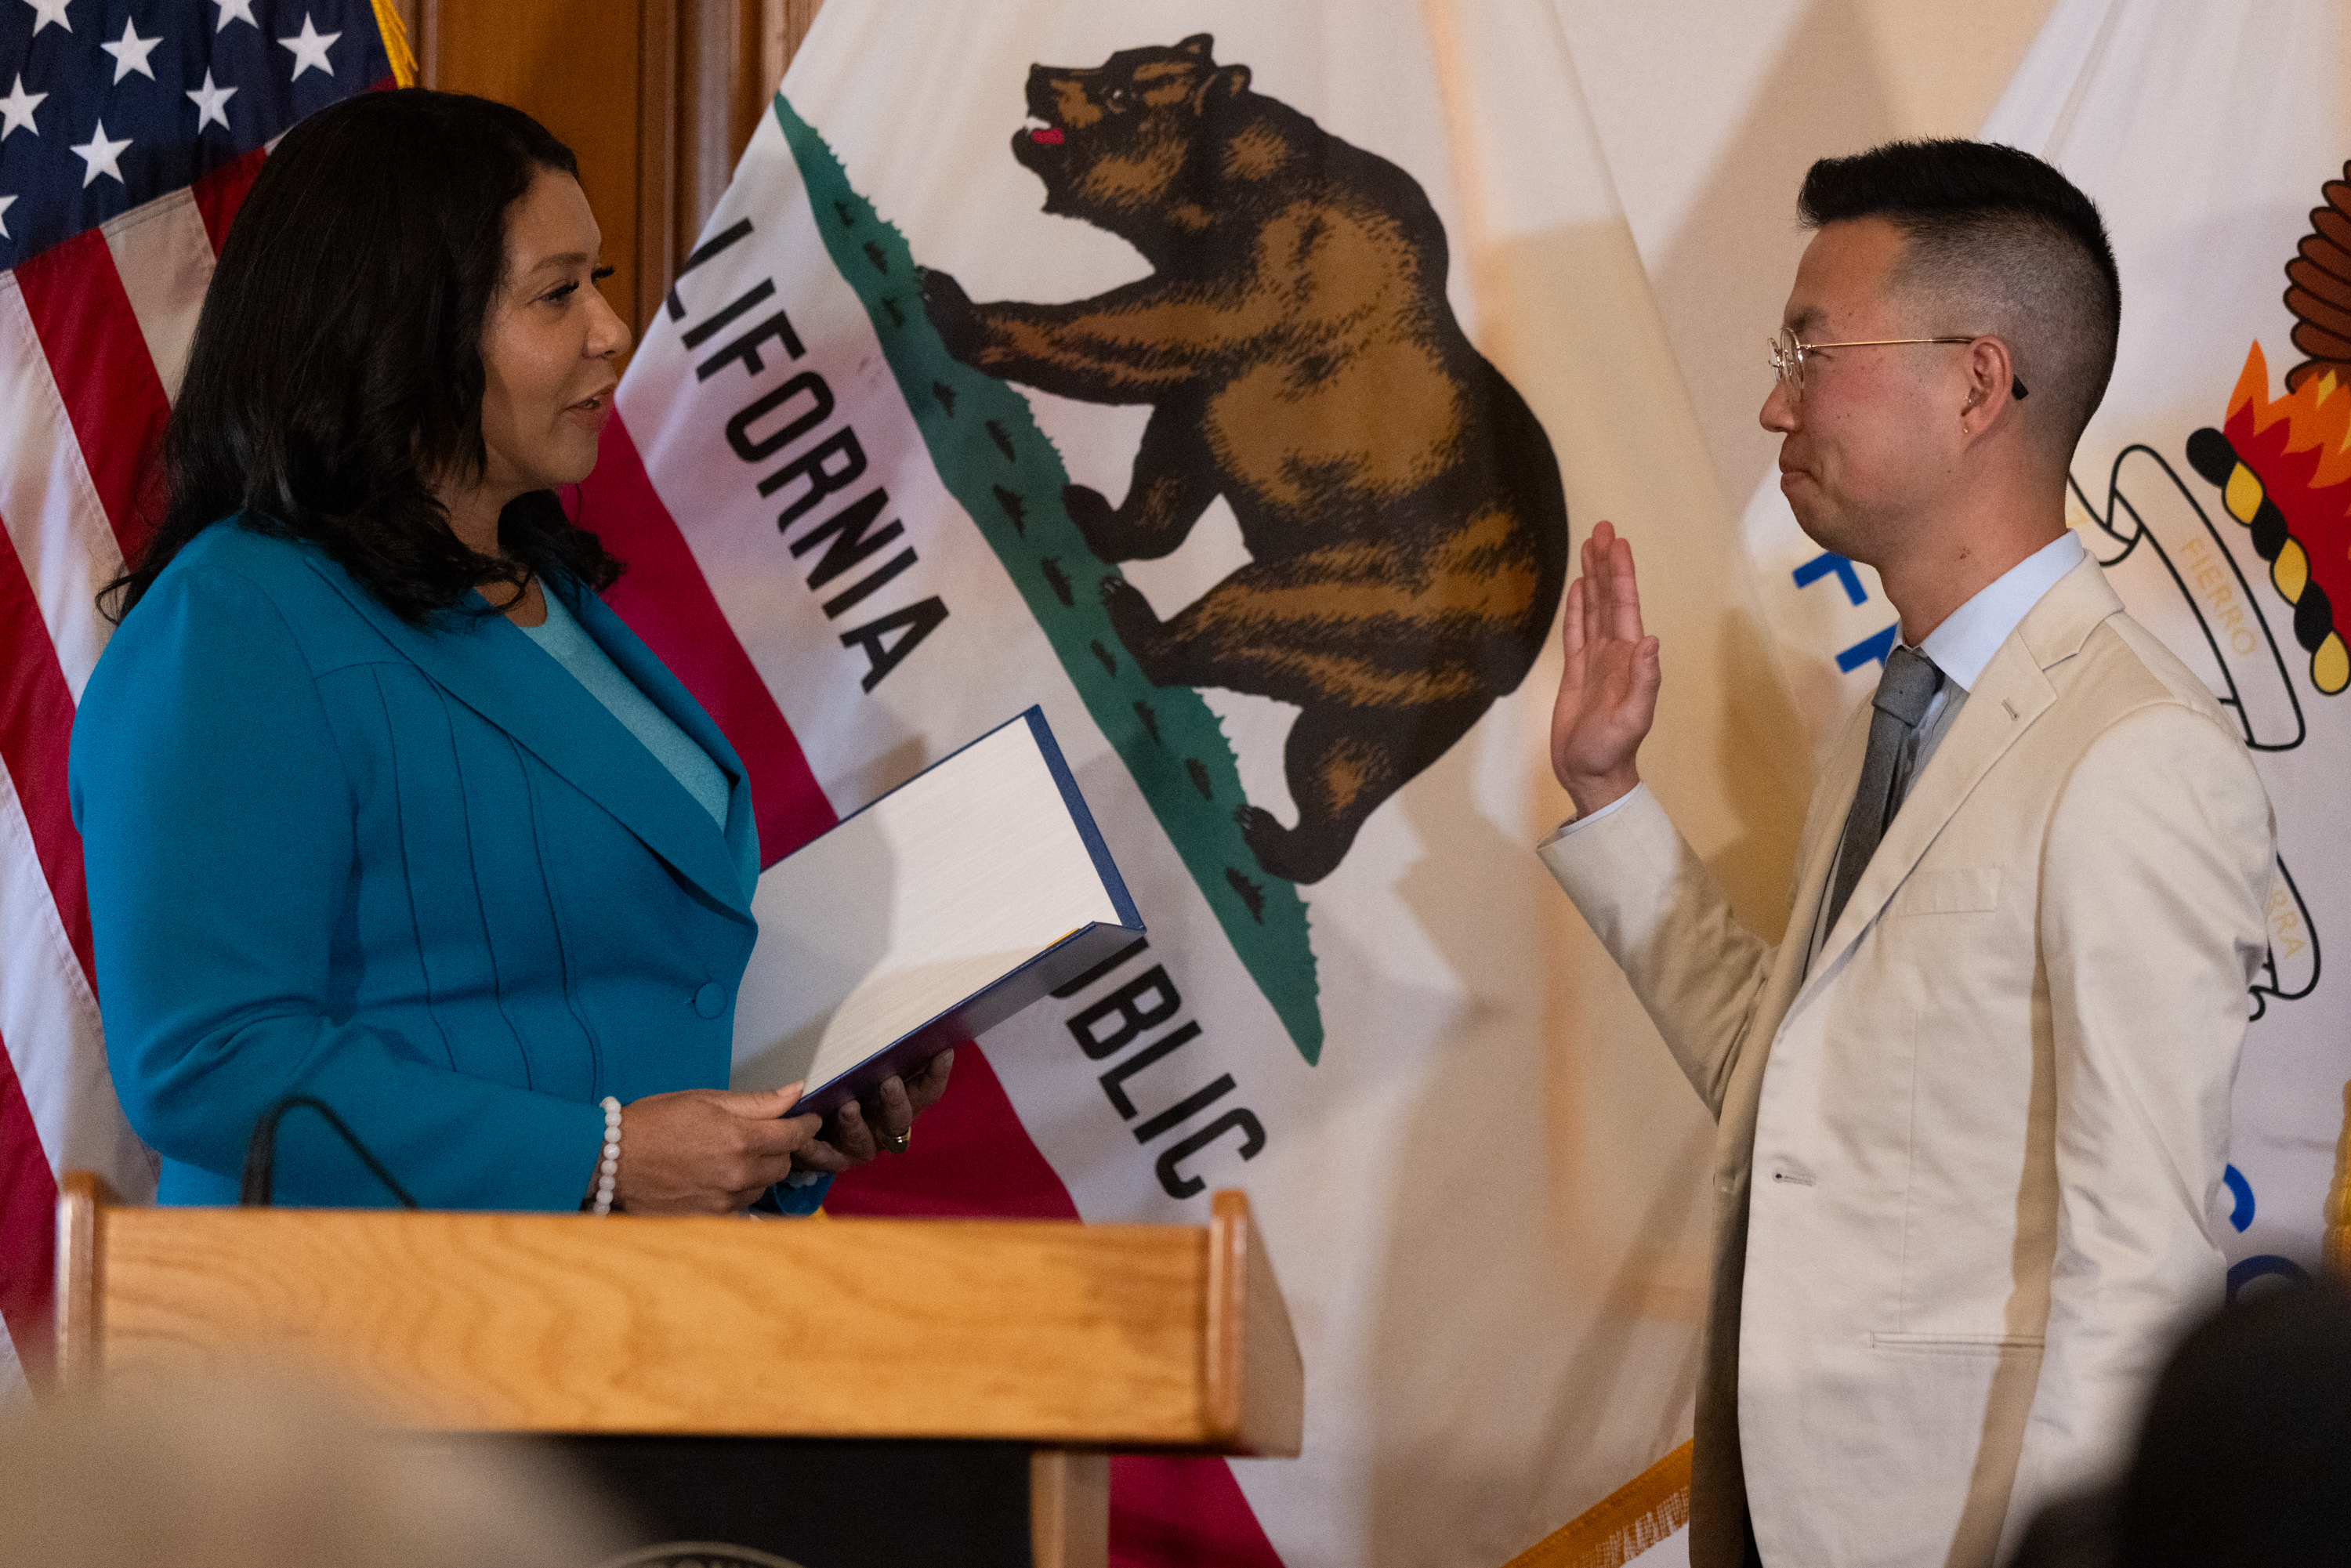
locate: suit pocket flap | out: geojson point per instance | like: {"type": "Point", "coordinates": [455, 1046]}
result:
{"type": "Point", "coordinates": [1961, 889]}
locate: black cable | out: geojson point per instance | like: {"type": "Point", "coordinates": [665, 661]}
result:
{"type": "Point", "coordinates": [261, 1153]}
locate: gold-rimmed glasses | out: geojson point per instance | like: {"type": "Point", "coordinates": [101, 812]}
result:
{"type": "Point", "coordinates": [1788, 353]}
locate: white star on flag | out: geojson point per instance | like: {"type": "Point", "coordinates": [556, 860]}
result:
{"type": "Point", "coordinates": [49, 11]}
{"type": "Point", "coordinates": [235, 10]}
{"type": "Point", "coordinates": [5, 203]}
{"type": "Point", "coordinates": [310, 49]}
{"type": "Point", "coordinates": [131, 53]}
{"type": "Point", "coordinates": [211, 102]}
{"type": "Point", "coordinates": [17, 109]}
{"type": "Point", "coordinates": [99, 156]}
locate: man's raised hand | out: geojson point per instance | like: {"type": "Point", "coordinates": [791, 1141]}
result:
{"type": "Point", "coordinates": [1608, 691]}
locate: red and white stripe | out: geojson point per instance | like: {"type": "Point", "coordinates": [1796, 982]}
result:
{"type": "Point", "coordinates": [94, 338]}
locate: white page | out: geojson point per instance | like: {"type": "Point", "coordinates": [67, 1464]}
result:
{"type": "Point", "coordinates": [930, 894]}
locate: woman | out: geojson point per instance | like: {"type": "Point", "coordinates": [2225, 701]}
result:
{"type": "Point", "coordinates": [379, 803]}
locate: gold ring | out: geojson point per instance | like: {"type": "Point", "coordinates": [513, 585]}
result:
{"type": "Point", "coordinates": [896, 1141]}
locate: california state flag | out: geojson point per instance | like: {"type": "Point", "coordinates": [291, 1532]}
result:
{"type": "Point", "coordinates": [1224, 380]}
{"type": "Point", "coordinates": [2215, 483]}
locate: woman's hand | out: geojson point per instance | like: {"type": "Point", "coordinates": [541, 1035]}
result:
{"type": "Point", "coordinates": [707, 1151]}
{"type": "Point", "coordinates": [857, 1133]}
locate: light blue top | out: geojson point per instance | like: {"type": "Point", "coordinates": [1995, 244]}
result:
{"type": "Point", "coordinates": [577, 652]}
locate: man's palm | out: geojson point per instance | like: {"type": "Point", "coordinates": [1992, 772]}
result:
{"type": "Point", "coordinates": [1608, 691]}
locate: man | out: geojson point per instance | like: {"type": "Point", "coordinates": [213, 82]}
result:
{"type": "Point", "coordinates": [1974, 1110]}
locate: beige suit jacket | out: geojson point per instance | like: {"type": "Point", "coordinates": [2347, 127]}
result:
{"type": "Point", "coordinates": [1967, 1165]}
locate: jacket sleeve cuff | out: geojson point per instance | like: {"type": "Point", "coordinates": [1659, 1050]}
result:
{"type": "Point", "coordinates": [1577, 824]}
{"type": "Point", "coordinates": [795, 1198]}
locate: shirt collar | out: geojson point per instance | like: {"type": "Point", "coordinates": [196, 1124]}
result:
{"type": "Point", "coordinates": [1968, 638]}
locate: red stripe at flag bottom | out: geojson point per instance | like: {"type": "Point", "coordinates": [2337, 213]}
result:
{"type": "Point", "coordinates": [974, 1160]}
{"type": "Point", "coordinates": [28, 1228]}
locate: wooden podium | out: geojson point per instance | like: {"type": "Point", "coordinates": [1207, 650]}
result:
{"type": "Point", "coordinates": [1072, 1341]}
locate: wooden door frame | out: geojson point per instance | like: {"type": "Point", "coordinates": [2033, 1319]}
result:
{"type": "Point", "coordinates": [705, 70]}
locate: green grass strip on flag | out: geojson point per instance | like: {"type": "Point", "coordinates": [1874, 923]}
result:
{"type": "Point", "coordinates": [1007, 475]}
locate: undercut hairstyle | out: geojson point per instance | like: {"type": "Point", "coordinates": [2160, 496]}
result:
{"type": "Point", "coordinates": [2000, 243]}
{"type": "Point", "coordinates": [336, 366]}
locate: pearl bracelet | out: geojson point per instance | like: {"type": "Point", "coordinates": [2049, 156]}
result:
{"type": "Point", "coordinates": [609, 1173]}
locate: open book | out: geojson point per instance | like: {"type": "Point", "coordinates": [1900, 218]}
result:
{"type": "Point", "coordinates": [939, 911]}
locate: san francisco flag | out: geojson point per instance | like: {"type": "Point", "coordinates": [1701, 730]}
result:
{"type": "Point", "coordinates": [1225, 382]}
{"type": "Point", "coordinates": [2213, 484]}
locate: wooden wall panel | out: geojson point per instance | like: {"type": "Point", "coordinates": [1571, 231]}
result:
{"type": "Point", "coordinates": [657, 154]}
{"type": "Point", "coordinates": [785, 23]}
{"type": "Point", "coordinates": [578, 68]}
{"type": "Point", "coordinates": [657, 97]}
{"type": "Point", "coordinates": [722, 65]}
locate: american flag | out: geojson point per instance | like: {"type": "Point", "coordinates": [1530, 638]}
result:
{"type": "Point", "coordinates": [129, 132]}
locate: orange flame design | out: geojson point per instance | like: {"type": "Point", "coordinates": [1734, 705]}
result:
{"type": "Point", "coordinates": [2284, 466]}
{"type": "Point", "coordinates": [2317, 416]}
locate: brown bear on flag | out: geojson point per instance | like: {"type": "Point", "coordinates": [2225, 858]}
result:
{"type": "Point", "coordinates": [1399, 501]}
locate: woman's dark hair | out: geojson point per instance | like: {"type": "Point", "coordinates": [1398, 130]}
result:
{"type": "Point", "coordinates": [336, 367]}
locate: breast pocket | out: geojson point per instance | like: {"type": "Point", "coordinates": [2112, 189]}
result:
{"type": "Point", "coordinates": [1955, 890]}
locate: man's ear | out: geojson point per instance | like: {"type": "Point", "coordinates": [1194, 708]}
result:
{"type": "Point", "coordinates": [1221, 87]}
{"type": "Point", "coordinates": [1992, 382]}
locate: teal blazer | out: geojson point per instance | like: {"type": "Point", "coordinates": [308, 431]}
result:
{"type": "Point", "coordinates": [421, 874]}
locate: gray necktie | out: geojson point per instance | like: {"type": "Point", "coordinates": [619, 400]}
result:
{"type": "Point", "coordinates": [1909, 684]}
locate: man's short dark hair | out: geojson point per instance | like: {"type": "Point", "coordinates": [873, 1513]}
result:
{"type": "Point", "coordinates": [2000, 242]}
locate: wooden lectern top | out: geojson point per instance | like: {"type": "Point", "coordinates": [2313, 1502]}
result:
{"type": "Point", "coordinates": [1098, 1336]}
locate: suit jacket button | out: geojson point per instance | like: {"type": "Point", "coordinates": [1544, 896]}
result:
{"type": "Point", "coordinates": [711, 1001]}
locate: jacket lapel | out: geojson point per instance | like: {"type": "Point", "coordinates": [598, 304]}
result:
{"type": "Point", "coordinates": [2013, 690]}
{"type": "Point", "coordinates": [486, 663]}
{"type": "Point", "coordinates": [1823, 831]}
